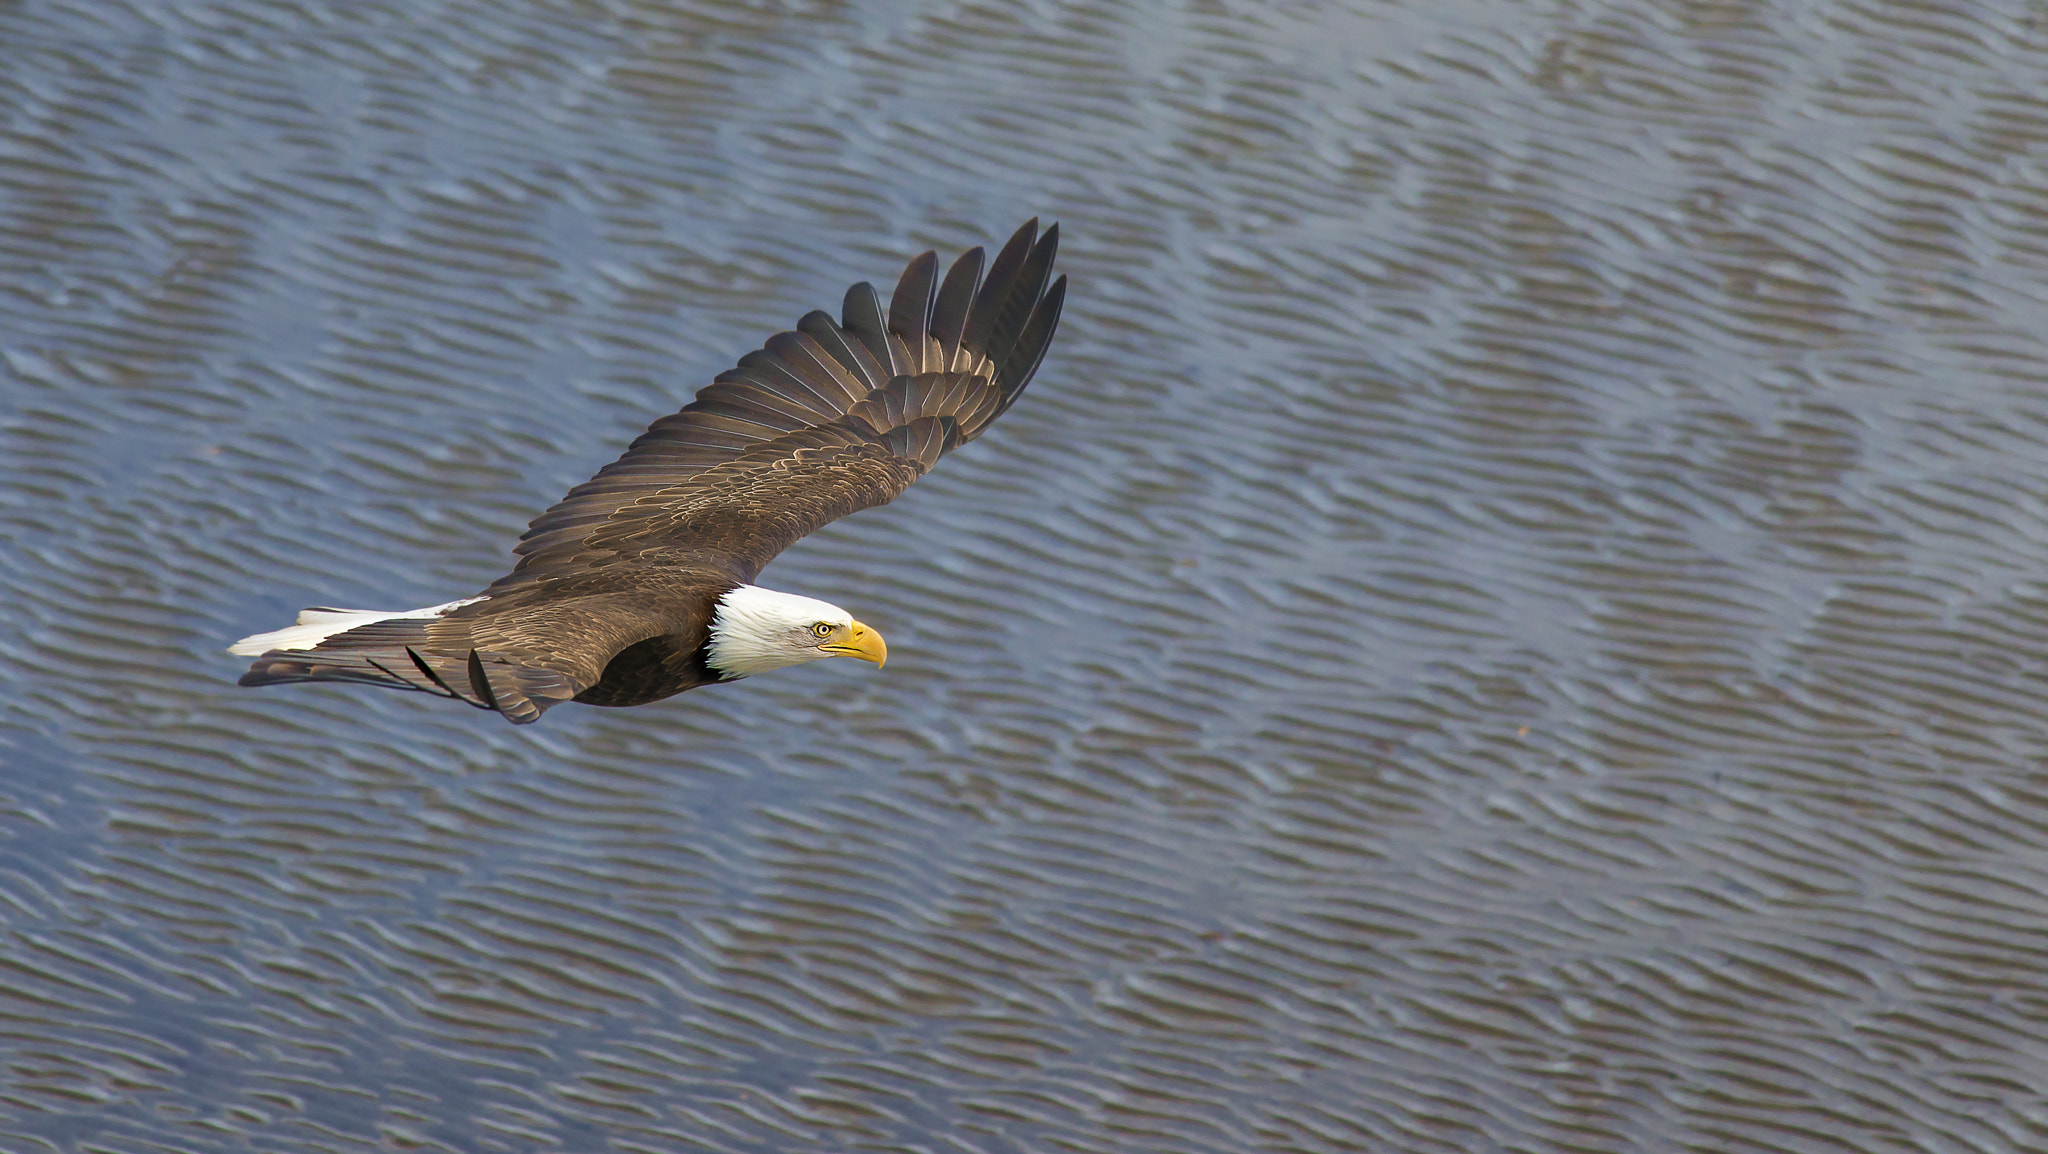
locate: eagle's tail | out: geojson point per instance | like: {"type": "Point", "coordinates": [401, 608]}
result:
{"type": "Point", "coordinates": [413, 649]}
{"type": "Point", "coordinates": [369, 646]}
{"type": "Point", "coordinates": [319, 624]}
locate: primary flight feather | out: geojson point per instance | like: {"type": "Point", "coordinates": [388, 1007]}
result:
{"type": "Point", "coordinates": [638, 584]}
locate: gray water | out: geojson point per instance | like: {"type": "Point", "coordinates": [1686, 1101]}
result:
{"type": "Point", "coordinates": [1513, 617]}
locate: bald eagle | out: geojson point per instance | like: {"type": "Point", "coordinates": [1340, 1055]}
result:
{"type": "Point", "coordinates": [638, 584]}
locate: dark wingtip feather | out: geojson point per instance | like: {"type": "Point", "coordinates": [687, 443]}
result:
{"type": "Point", "coordinates": [479, 683]}
{"type": "Point", "coordinates": [910, 306]}
{"type": "Point", "coordinates": [996, 286]}
{"type": "Point", "coordinates": [956, 298]}
{"type": "Point", "coordinates": [427, 671]}
{"type": "Point", "coordinates": [1017, 305]}
{"type": "Point", "coordinates": [1017, 370]}
{"type": "Point", "coordinates": [861, 313]}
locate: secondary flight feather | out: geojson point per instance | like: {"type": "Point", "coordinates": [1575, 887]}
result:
{"type": "Point", "coordinates": [638, 584]}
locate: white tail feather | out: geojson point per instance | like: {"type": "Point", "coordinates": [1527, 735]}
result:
{"type": "Point", "coordinates": [317, 625]}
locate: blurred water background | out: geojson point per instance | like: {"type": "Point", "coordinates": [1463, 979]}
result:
{"type": "Point", "coordinates": [1515, 616]}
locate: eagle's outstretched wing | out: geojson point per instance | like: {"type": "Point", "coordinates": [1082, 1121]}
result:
{"type": "Point", "coordinates": [821, 422]}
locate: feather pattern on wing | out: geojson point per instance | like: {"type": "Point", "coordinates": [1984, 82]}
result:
{"type": "Point", "coordinates": [744, 470]}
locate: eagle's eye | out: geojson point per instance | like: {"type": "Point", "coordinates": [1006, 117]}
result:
{"type": "Point", "coordinates": [822, 629]}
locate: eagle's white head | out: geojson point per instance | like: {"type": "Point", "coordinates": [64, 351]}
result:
{"type": "Point", "coordinates": [755, 630]}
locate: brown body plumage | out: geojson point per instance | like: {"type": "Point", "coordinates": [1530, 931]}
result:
{"type": "Point", "coordinates": [620, 586]}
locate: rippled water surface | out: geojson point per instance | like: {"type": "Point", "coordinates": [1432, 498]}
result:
{"type": "Point", "coordinates": [1515, 616]}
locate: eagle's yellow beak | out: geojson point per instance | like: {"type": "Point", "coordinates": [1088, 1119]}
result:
{"type": "Point", "coordinates": [859, 641]}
